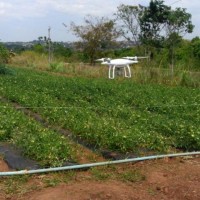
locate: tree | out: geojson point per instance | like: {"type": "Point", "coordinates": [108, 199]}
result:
{"type": "Point", "coordinates": [96, 34]}
{"type": "Point", "coordinates": [152, 22]}
{"type": "Point", "coordinates": [39, 48]}
{"type": "Point", "coordinates": [196, 47]}
{"type": "Point", "coordinates": [61, 51]}
{"type": "Point", "coordinates": [128, 22]}
{"type": "Point", "coordinates": [177, 25]}
{"type": "Point", "coordinates": [161, 26]}
{"type": "Point", "coordinates": [179, 21]}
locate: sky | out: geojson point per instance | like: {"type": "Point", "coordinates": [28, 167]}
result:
{"type": "Point", "coordinates": [26, 20]}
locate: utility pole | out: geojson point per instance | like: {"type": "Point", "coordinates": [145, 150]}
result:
{"type": "Point", "coordinates": [49, 43]}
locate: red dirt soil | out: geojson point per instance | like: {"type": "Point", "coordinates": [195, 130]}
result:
{"type": "Point", "coordinates": [167, 179]}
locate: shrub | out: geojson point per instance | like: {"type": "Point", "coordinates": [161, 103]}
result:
{"type": "Point", "coordinates": [56, 67]}
{"type": "Point", "coordinates": [186, 79]}
{"type": "Point", "coordinates": [4, 54]}
{"type": "Point", "coordinates": [5, 71]}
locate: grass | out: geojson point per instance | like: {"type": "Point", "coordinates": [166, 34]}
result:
{"type": "Point", "coordinates": [100, 173]}
{"type": "Point", "coordinates": [132, 176]}
{"type": "Point", "coordinates": [144, 72]}
{"type": "Point", "coordinates": [32, 60]}
{"type": "Point", "coordinates": [15, 185]}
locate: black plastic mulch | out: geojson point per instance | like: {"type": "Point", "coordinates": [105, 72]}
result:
{"type": "Point", "coordinates": [15, 160]}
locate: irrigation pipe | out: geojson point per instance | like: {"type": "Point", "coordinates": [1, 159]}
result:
{"type": "Point", "coordinates": [82, 166]}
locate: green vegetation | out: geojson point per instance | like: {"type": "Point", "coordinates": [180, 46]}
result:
{"type": "Point", "coordinates": [5, 70]}
{"type": "Point", "coordinates": [37, 142]}
{"type": "Point", "coordinates": [95, 35]}
{"type": "Point", "coordinates": [156, 31]}
{"type": "Point", "coordinates": [116, 115]}
{"type": "Point", "coordinates": [15, 185]}
{"type": "Point", "coordinates": [144, 72]}
{"type": "Point", "coordinates": [132, 176]}
{"type": "Point", "coordinates": [4, 54]}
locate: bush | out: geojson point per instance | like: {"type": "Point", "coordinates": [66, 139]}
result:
{"type": "Point", "coordinates": [4, 54]}
{"type": "Point", "coordinates": [5, 71]}
{"type": "Point", "coordinates": [56, 67]}
{"type": "Point", "coordinates": [186, 79]}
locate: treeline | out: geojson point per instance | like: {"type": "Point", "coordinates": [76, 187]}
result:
{"type": "Point", "coordinates": [186, 55]}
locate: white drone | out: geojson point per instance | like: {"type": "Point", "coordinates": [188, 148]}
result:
{"type": "Point", "coordinates": [118, 63]}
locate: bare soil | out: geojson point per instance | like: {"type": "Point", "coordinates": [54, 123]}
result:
{"type": "Point", "coordinates": [175, 178]}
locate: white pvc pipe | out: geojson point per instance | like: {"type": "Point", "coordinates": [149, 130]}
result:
{"type": "Point", "coordinates": [82, 166]}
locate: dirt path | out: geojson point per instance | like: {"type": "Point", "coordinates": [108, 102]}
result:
{"type": "Point", "coordinates": [177, 178]}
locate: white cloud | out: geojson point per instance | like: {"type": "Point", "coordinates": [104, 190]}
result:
{"type": "Point", "coordinates": [36, 8]}
{"type": "Point", "coordinates": [78, 7]}
{"type": "Point", "coordinates": [36, 14]}
{"type": "Point", "coordinates": [20, 9]}
{"type": "Point", "coordinates": [4, 7]}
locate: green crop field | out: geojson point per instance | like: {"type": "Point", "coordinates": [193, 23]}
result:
{"type": "Point", "coordinates": [35, 140]}
{"type": "Point", "coordinates": [117, 115]}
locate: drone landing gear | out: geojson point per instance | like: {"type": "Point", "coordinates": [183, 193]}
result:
{"type": "Point", "coordinates": [111, 73]}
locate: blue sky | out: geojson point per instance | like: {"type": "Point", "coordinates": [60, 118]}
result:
{"type": "Point", "coordinates": [26, 20]}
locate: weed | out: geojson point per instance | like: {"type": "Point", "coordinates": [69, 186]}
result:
{"type": "Point", "coordinates": [54, 179]}
{"type": "Point", "coordinates": [57, 67]}
{"type": "Point", "coordinates": [51, 182]}
{"type": "Point", "coordinates": [15, 184]}
{"type": "Point", "coordinates": [151, 191]}
{"type": "Point", "coordinates": [186, 79]}
{"type": "Point", "coordinates": [100, 173]}
{"type": "Point", "coordinates": [132, 176]}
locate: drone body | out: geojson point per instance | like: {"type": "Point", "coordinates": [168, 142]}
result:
{"type": "Point", "coordinates": [118, 63]}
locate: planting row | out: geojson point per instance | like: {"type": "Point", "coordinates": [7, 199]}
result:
{"type": "Point", "coordinates": [39, 143]}
{"type": "Point", "coordinates": [117, 115]}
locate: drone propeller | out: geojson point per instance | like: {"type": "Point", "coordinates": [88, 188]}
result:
{"type": "Point", "coordinates": [141, 57]}
{"type": "Point", "coordinates": [103, 59]}
{"type": "Point", "coordinates": [131, 58]}
{"type": "Point", "coordinates": [135, 57]}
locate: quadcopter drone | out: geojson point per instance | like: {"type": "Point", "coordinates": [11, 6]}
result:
{"type": "Point", "coordinates": [119, 63]}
